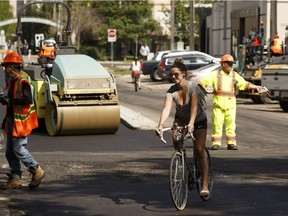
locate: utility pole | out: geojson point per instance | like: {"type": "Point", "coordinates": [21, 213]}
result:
{"type": "Point", "coordinates": [191, 22]}
{"type": "Point", "coordinates": [172, 28]}
{"type": "Point", "coordinates": [273, 19]}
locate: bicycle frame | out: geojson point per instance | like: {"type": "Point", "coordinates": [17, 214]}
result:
{"type": "Point", "coordinates": [181, 183]}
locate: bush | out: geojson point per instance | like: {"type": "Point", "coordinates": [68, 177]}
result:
{"type": "Point", "coordinates": [94, 52]}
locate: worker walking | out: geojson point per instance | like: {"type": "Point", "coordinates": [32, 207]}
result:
{"type": "Point", "coordinates": [18, 124]}
{"type": "Point", "coordinates": [276, 47]}
{"type": "Point", "coordinates": [224, 83]}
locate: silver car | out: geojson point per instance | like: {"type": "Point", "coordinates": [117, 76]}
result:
{"type": "Point", "coordinates": [192, 59]}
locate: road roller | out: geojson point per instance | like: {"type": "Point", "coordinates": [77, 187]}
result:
{"type": "Point", "coordinates": [73, 93]}
{"type": "Point", "coordinates": [78, 96]}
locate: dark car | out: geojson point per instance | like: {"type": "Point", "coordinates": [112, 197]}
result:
{"type": "Point", "coordinates": [192, 59]}
{"type": "Point", "coordinates": [150, 66]}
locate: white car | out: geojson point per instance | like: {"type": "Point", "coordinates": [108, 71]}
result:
{"type": "Point", "coordinates": [202, 72]}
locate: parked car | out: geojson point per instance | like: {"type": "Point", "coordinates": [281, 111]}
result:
{"type": "Point", "coordinates": [149, 67]}
{"type": "Point", "coordinates": [200, 73]}
{"type": "Point", "coordinates": [192, 59]}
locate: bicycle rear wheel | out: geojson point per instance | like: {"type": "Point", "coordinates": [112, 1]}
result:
{"type": "Point", "coordinates": [136, 84]}
{"type": "Point", "coordinates": [210, 176]}
{"type": "Point", "coordinates": [178, 181]}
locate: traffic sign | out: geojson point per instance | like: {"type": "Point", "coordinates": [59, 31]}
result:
{"type": "Point", "coordinates": [111, 35]}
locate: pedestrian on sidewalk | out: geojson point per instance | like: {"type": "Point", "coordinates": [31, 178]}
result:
{"type": "Point", "coordinates": [18, 123]}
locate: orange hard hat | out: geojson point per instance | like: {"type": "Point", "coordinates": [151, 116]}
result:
{"type": "Point", "coordinates": [227, 58]}
{"type": "Point", "coordinates": [12, 57]}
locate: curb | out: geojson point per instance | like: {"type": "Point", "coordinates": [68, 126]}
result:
{"type": "Point", "coordinates": [135, 120]}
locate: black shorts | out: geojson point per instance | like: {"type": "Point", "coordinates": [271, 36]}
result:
{"type": "Point", "coordinates": [197, 125]}
{"type": "Point", "coordinates": [201, 125]}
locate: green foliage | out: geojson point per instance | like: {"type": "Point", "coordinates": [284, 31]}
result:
{"type": "Point", "coordinates": [132, 20]}
{"type": "Point", "coordinates": [6, 13]}
{"type": "Point", "coordinates": [94, 52]}
{"type": "Point", "coordinates": [182, 17]}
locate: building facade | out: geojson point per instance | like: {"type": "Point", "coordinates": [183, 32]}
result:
{"type": "Point", "coordinates": [232, 21]}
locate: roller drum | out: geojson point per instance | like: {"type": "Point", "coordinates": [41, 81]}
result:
{"type": "Point", "coordinates": [65, 120]}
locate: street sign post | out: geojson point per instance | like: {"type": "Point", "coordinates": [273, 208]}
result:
{"type": "Point", "coordinates": [111, 38]}
{"type": "Point", "coordinates": [111, 35]}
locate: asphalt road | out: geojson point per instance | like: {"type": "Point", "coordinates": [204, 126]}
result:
{"type": "Point", "coordinates": [127, 173]}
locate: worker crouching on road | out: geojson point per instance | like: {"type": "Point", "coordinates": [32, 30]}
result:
{"type": "Point", "coordinates": [18, 124]}
{"type": "Point", "coordinates": [224, 83]}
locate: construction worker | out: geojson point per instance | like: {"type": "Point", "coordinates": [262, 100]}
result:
{"type": "Point", "coordinates": [48, 49]}
{"type": "Point", "coordinates": [276, 47]}
{"type": "Point", "coordinates": [20, 120]}
{"type": "Point", "coordinates": [224, 83]}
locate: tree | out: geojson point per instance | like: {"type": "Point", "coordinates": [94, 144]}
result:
{"type": "Point", "coordinates": [132, 20]}
{"type": "Point", "coordinates": [84, 20]}
{"type": "Point", "coordinates": [6, 13]}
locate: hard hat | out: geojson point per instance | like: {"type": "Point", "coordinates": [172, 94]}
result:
{"type": "Point", "coordinates": [12, 57]}
{"type": "Point", "coordinates": [227, 58]}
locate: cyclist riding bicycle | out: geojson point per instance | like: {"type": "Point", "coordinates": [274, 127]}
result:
{"type": "Point", "coordinates": [136, 68]}
{"type": "Point", "coordinates": [190, 111]}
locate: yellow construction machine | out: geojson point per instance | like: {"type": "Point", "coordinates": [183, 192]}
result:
{"type": "Point", "coordinates": [252, 60]}
{"type": "Point", "coordinates": [73, 93]}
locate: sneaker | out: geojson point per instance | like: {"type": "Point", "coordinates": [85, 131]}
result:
{"type": "Point", "coordinates": [215, 147]}
{"type": "Point", "coordinates": [37, 176]}
{"type": "Point", "coordinates": [204, 193]}
{"type": "Point", "coordinates": [231, 147]}
{"type": "Point", "coordinates": [13, 183]}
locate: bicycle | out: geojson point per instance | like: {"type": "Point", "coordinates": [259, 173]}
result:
{"type": "Point", "coordinates": [181, 177]}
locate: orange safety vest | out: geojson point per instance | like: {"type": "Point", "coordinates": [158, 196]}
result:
{"type": "Point", "coordinates": [276, 47]}
{"type": "Point", "coordinates": [219, 91]}
{"type": "Point", "coordinates": [256, 41]}
{"type": "Point", "coordinates": [47, 51]}
{"type": "Point", "coordinates": [25, 117]}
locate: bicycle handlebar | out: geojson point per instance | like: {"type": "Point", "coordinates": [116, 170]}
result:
{"type": "Point", "coordinates": [189, 135]}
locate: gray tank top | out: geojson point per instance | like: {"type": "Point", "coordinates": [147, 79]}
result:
{"type": "Point", "coordinates": [183, 111]}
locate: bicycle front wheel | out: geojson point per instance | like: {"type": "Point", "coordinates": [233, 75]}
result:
{"type": "Point", "coordinates": [210, 176]}
{"type": "Point", "coordinates": [178, 177]}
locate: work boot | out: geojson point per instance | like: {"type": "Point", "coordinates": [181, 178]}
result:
{"type": "Point", "coordinates": [13, 183]}
{"type": "Point", "coordinates": [37, 176]}
{"type": "Point", "coordinates": [232, 147]}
